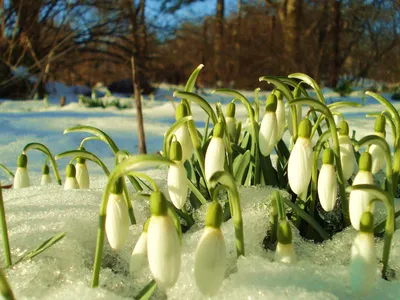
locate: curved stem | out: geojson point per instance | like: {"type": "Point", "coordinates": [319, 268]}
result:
{"type": "Point", "coordinates": [390, 221]}
{"type": "Point", "coordinates": [89, 138]}
{"type": "Point", "coordinates": [7, 170]}
{"type": "Point", "coordinates": [311, 82]}
{"type": "Point", "coordinates": [4, 232]}
{"type": "Point", "coordinates": [146, 177]}
{"type": "Point", "coordinates": [227, 138]}
{"type": "Point", "coordinates": [46, 151]}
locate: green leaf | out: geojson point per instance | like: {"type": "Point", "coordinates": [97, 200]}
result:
{"type": "Point", "coordinates": [147, 291]}
{"type": "Point", "coordinates": [7, 170]}
{"type": "Point", "coordinates": [5, 288]}
{"type": "Point", "coordinates": [279, 85]}
{"type": "Point", "coordinates": [240, 164]}
{"type": "Point", "coordinates": [311, 82]}
{"type": "Point", "coordinates": [192, 79]}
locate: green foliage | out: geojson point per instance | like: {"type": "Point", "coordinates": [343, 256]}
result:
{"type": "Point", "coordinates": [344, 88]}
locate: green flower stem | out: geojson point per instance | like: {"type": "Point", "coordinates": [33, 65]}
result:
{"type": "Point", "coordinates": [171, 132]}
{"type": "Point", "coordinates": [5, 288]}
{"type": "Point", "coordinates": [255, 151]}
{"type": "Point", "coordinates": [96, 132]}
{"type": "Point", "coordinates": [86, 155]}
{"type": "Point", "coordinates": [280, 204]}
{"type": "Point", "coordinates": [227, 138]}
{"type": "Point", "coordinates": [288, 95]}
{"type": "Point", "coordinates": [390, 221]}
{"type": "Point", "coordinates": [256, 105]}
{"type": "Point", "coordinates": [340, 104]}
{"type": "Point", "coordinates": [122, 155]}
{"type": "Point", "coordinates": [314, 175]}
{"type": "Point", "coordinates": [311, 82]}
{"type": "Point", "coordinates": [381, 142]}
{"type": "Point", "coordinates": [7, 170]}
{"type": "Point", "coordinates": [147, 291]}
{"type": "Point", "coordinates": [4, 232]}
{"type": "Point", "coordinates": [227, 180]}
{"type": "Point", "coordinates": [122, 169]}
{"type": "Point", "coordinates": [195, 191]}
{"type": "Point", "coordinates": [89, 138]}
{"type": "Point", "coordinates": [46, 151]}
{"type": "Point", "coordinates": [147, 178]}
{"type": "Point", "coordinates": [396, 119]}
{"type": "Point", "coordinates": [336, 149]}
{"type": "Point", "coordinates": [128, 201]}
{"type": "Point", "coordinates": [203, 141]}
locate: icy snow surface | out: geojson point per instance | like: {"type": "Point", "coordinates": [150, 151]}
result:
{"type": "Point", "coordinates": [64, 271]}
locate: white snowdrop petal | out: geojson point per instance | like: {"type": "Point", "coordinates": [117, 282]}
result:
{"type": "Point", "coordinates": [163, 251]}
{"type": "Point", "coordinates": [378, 158]}
{"type": "Point", "coordinates": [177, 185]}
{"type": "Point", "coordinates": [300, 165]}
{"type": "Point", "coordinates": [21, 178]}
{"type": "Point", "coordinates": [183, 137]}
{"type": "Point", "coordinates": [117, 221]}
{"type": "Point", "coordinates": [285, 253]}
{"type": "Point", "coordinates": [139, 254]}
{"type": "Point", "coordinates": [363, 264]}
{"type": "Point", "coordinates": [267, 133]}
{"type": "Point", "coordinates": [327, 187]}
{"type": "Point", "coordinates": [71, 183]}
{"type": "Point", "coordinates": [358, 200]}
{"type": "Point", "coordinates": [280, 119]}
{"type": "Point", "coordinates": [82, 175]}
{"type": "Point", "coordinates": [210, 261]}
{"type": "Point", "coordinates": [45, 179]}
{"type": "Point", "coordinates": [215, 157]}
{"type": "Point", "coordinates": [347, 157]}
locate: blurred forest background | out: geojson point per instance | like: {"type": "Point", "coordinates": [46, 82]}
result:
{"type": "Point", "coordinates": [81, 42]}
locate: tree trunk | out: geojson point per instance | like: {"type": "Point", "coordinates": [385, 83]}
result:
{"type": "Point", "coordinates": [335, 6]}
{"type": "Point", "coordinates": [139, 114]}
{"type": "Point", "coordinates": [142, 30]}
{"type": "Point", "coordinates": [236, 39]}
{"type": "Point", "coordinates": [219, 29]}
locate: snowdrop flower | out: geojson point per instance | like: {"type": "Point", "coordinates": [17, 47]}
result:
{"type": "Point", "coordinates": [363, 263]}
{"type": "Point", "coordinates": [139, 254]}
{"type": "Point", "coordinates": [163, 244]}
{"type": "Point", "coordinates": [70, 182]}
{"type": "Point", "coordinates": [269, 127]}
{"type": "Point", "coordinates": [231, 121]}
{"type": "Point", "coordinates": [280, 116]}
{"type": "Point", "coordinates": [284, 249]}
{"type": "Point", "coordinates": [82, 173]}
{"type": "Point", "coordinates": [215, 155]}
{"type": "Point", "coordinates": [377, 153]}
{"type": "Point", "coordinates": [359, 200]}
{"type": "Point", "coordinates": [21, 177]}
{"type": "Point", "coordinates": [177, 182]}
{"type": "Point", "coordinates": [210, 257]}
{"type": "Point", "coordinates": [347, 158]}
{"type": "Point", "coordinates": [327, 184]}
{"type": "Point", "coordinates": [182, 134]}
{"type": "Point", "coordinates": [300, 160]}
{"type": "Point", "coordinates": [117, 217]}
{"type": "Point", "coordinates": [46, 179]}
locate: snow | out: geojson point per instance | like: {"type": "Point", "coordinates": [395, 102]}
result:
{"type": "Point", "coordinates": [64, 271]}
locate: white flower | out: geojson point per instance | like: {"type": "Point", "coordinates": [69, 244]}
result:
{"type": "Point", "coordinates": [215, 155]}
{"type": "Point", "coordinates": [46, 179]}
{"type": "Point", "coordinates": [347, 157]}
{"type": "Point", "coordinates": [163, 250]}
{"type": "Point", "coordinates": [177, 185]}
{"type": "Point", "coordinates": [139, 254]}
{"type": "Point", "coordinates": [280, 119]}
{"type": "Point", "coordinates": [327, 187]}
{"type": "Point", "coordinates": [21, 178]}
{"type": "Point", "coordinates": [183, 137]}
{"type": "Point", "coordinates": [82, 175]}
{"type": "Point", "coordinates": [268, 133]}
{"type": "Point", "coordinates": [210, 261]}
{"type": "Point", "coordinates": [117, 221]}
{"type": "Point", "coordinates": [71, 183]}
{"type": "Point", "coordinates": [378, 155]}
{"type": "Point", "coordinates": [285, 253]}
{"type": "Point", "coordinates": [358, 200]}
{"type": "Point", "coordinates": [300, 165]}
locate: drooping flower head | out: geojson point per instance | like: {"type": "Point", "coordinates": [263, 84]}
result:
{"type": "Point", "coordinates": [139, 254]}
{"type": "Point", "coordinates": [177, 181]}
{"type": "Point", "coordinates": [70, 180]}
{"type": "Point", "coordinates": [215, 155]}
{"type": "Point", "coordinates": [46, 179]}
{"type": "Point", "coordinates": [182, 134]}
{"type": "Point", "coordinates": [82, 173]}
{"type": "Point", "coordinates": [300, 160]}
{"type": "Point", "coordinates": [210, 257]}
{"type": "Point", "coordinates": [280, 115]}
{"type": "Point", "coordinates": [21, 177]}
{"type": "Point", "coordinates": [360, 200]}
{"type": "Point", "coordinates": [327, 184]}
{"type": "Point", "coordinates": [284, 249]}
{"type": "Point", "coordinates": [163, 244]}
{"type": "Point", "coordinates": [377, 153]}
{"type": "Point", "coordinates": [117, 217]}
{"type": "Point", "coordinates": [347, 158]}
{"type": "Point", "coordinates": [363, 263]}
{"type": "Point", "coordinates": [231, 121]}
{"type": "Point", "coordinates": [269, 127]}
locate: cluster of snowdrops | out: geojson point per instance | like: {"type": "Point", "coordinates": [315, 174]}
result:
{"type": "Point", "coordinates": [317, 169]}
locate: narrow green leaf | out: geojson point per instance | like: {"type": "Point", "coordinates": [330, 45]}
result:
{"type": "Point", "coordinates": [147, 291]}
{"type": "Point", "coordinates": [5, 288]}
{"type": "Point", "coordinates": [200, 101]}
{"type": "Point", "coordinates": [7, 170]}
{"type": "Point", "coordinates": [240, 164]}
{"type": "Point", "coordinates": [192, 79]}
{"type": "Point", "coordinates": [311, 82]}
